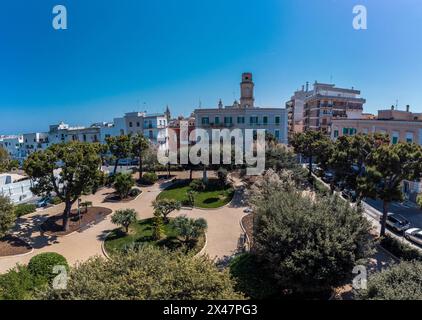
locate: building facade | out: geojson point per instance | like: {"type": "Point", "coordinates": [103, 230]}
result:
{"type": "Point", "coordinates": [327, 102]}
{"type": "Point", "coordinates": [244, 115]}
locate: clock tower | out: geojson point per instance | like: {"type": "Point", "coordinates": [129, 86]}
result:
{"type": "Point", "coordinates": [246, 88]}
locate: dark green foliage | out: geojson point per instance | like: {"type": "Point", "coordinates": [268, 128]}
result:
{"type": "Point", "coordinates": [399, 282]}
{"type": "Point", "coordinates": [24, 209]}
{"type": "Point", "coordinates": [7, 216]}
{"type": "Point", "coordinates": [251, 279]}
{"type": "Point", "coordinates": [149, 178]}
{"type": "Point", "coordinates": [400, 249]}
{"type": "Point", "coordinates": [147, 274]}
{"type": "Point", "coordinates": [308, 246]}
{"type": "Point", "coordinates": [42, 265]}
{"type": "Point", "coordinates": [20, 284]}
{"type": "Point", "coordinates": [123, 183]}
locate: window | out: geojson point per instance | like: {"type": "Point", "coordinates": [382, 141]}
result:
{"type": "Point", "coordinates": [253, 120]}
{"type": "Point", "coordinates": [130, 124]}
{"type": "Point", "coordinates": [228, 120]}
{"type": "Point", "coordinates": [241, 120]}
{"type": "Point", "coordinates": [217, 120]}
{"type": "Point", "coordinates": [277, 134]}
{"type": "Point", "coordinates": [345, 131]}
{"type": "Point", "coordinates": [138, 124]}
{"type": "Point", "coordinates": [205, 120]}
{"type": "Point", "coordinates": [409, 137]}
{"type": "Point", "coordinates": [277, 120]}
{"type": "Point", "coordinates": [336, 133]}
{"type": "Point", "coordinates": [395, 139]}
{"type": "Point", "coordinates": [265, 120]}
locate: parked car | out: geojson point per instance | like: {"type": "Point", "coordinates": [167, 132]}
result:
{"type": "Point", "coordinates": [414, 235]}
{"type": "Point", "coordinates": [248, 210]}
{"type": "Point", "coordinates": [43, 202]}
{"type": "Point", "coordinates": [397, 222]}
{"type": "Point", "coordinates": [349, 194]}
{"type": "Point", "coordinates": [328, 177]}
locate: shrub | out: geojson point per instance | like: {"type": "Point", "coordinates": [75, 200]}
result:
{"type": "Point", "coordinates": [56, 201]}
{"type": "Point", "coordinates": [24, 209]}
{"type": "Point", "coordinates": [222, 175]}
{"type": "Point", "coordinates": [134, 193]}
{"type": "Point", "coordinates": [399, 282]}
{"type": "Point", "coordinates": [149, 178]}
{"type": "Point", "coordinates": [419, 200]}
{"type": "Point", "coordinates": [123, 184]}
{"type": "Point", "coordinates": [400, 249]}
{"type": "Point", "coordinates": [42, 265]}
{"type": "Point", "coordinates": [147, 274]}
{"type": "Point", "coordinates": [19, 284]}
{"type": "Point", "coordinates": [250, 278]}
{"type": "Point", "coordinates": [197, 185]}
{"type": "Point", "coordinates": [190, 229]}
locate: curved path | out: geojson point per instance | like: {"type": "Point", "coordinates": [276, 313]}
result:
{"type": "Point", "coordinates": [223, 233]}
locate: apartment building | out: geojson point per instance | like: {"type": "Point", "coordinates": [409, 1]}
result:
{"type": "Point", "coordinates": [400, 125]}
{"type": "Point", "coordinates": [244, 115]}
{"type": "Point", "coordinates": [13, 145]}
{"type": "Point", "coordinates": [178, 127]}
{"type": "Point", "coordinates": [295, 109]}
{"type": "Point", "coordinates": [327, 102]}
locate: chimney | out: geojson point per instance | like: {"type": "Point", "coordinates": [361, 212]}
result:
{"type": "Point", "coordinates": [408, 108]}
{"type": "Point", "coordinates": [303, 88]}
{"type": "Point", "coordinates": [307, 86]}
{"type": "Point", "coordinates": [392, 107]}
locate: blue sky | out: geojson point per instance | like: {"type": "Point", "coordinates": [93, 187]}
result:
{"type": "Point", "coordinates": [124, 55]}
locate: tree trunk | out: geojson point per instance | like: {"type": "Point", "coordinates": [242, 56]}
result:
{"type": "Point", "coordinates": [204, 175]}
{"type": "Point", "coordinates": [140, 167]}
{"type": "Point", "coordinates": [384, 217]}
{"type": "Point", "coordinates": [115, 166]}
{"type": "Point", "coordinates": [66, 214]}
{"type": "Point", "coordinates": [168, 171]}
{"type": "Point", "coordinates": [310, 167]}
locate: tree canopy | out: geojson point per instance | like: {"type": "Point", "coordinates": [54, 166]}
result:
{"type": "Point", "coordinates": [147, 274]}
{"type": "Point", "coordinates": [7, 216]}
{"type": "Point", "coordinates": [68, 170]}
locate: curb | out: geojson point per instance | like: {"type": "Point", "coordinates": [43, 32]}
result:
{"type": "Point", "coordinates": [19, 255]}
{"type": "Point", "coordinates": [248, 241]}
{"type": "Point", "coordinates": [103, 248]}
{"type": "Point", "coordinates": [200, 253]}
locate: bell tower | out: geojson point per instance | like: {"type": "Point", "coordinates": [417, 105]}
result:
{"type": "Point", "coordinates": [246, 88]}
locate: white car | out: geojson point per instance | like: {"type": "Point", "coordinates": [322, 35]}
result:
{"type": "Point", "coordinates": [414, 235]}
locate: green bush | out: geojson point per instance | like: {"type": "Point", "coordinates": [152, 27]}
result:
{"type": "Point", "coordinates": [149, 178]}
{"type": "Point", "coordinates": [42, 265]}
{"type": "Point", "coordinates": [251, 278]}
{"type": "Point", "coordinates": [134, 193]}
{"type": "Point", "coordinates": [56, 200]}
{"type": "Point", "coordinates": [19, 284]}
{"type": "Point", "coordinates": [24, 209]}
{"type": "Point", "coordinates": [419, 200]}
{"type": "Point", "coordinates": [197, 185]}
{"type": "Point", "coordinates": [400, 249]}
{"type": "Point", "coordinates": [123, 184]}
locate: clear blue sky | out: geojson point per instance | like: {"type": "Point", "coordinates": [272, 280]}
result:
{"type": "Point", "coordinates": [119, 54]}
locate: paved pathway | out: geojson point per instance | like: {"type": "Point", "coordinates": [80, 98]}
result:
{"type": "Point", "coordinates": [223, 233]}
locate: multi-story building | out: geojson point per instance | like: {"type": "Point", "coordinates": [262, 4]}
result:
{"type": "Point", "coordinates": [34, 141]}
{"type": "Point", "coordinates": [152, 126]}
{"type": "Point", "coordinates": [327, 102]}
{"type": "Point", "coordinates": [295, 109]}
{"type": "Point", "coordinates": [179, 126]}
{"type": "Point", "coordinates": [400, 125]}
{"type": "Point", "coordinates": [13, 145]}
{"type": "Point", "coordinates": [244, 115]}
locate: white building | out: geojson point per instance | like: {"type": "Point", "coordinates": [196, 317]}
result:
{"type": "Point", "coordinates": [16, 187]}
{"type": "Point", "coordinates": [244, 115]}
{"type": "Point", "coordinates": [13, 145]}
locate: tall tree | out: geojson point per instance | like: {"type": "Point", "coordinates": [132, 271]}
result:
{"type": "Point", "coordinates": [4, 160]}
{"type": "Point", "coordinates": [388, 166]}
{"type": "Point", "coordinates": [7, 216]}
{"type": "Point", "coordinates": [139, 146]}
{"type": "Point", "coordinates": [312, 144]}
{"type": "Point", "coordinates": [165, 206]}
{"type": "Point", "coordinates": [120, 148]}
{"type": "Point", "coordinates": [67, 169]}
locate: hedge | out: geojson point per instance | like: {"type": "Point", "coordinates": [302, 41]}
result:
{"type": "Point", "coordinates": [24, 209]}
{"type": "Point", "coordinates": [42, 265]}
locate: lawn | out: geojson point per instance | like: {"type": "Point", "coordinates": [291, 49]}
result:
{"type": "Point", "coordinates": [213, 197]}
{"type": "Point", "coordinates": [141, 233]}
